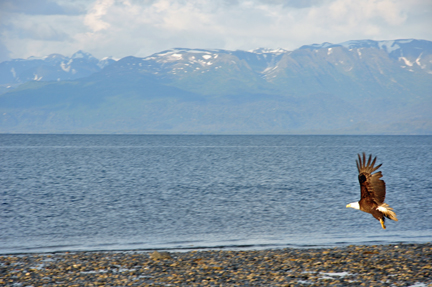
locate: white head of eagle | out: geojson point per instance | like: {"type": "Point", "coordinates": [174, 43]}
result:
{"type": "Point", "coordinates": [354, 205]}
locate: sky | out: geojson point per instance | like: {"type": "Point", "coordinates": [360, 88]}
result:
{"type": "Point", "coordinates": [120, 28]}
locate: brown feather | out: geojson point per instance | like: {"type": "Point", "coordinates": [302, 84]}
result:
{"type": "Point", "coordinates": [377, 167]}
{"type": "Point", "coordinates": [369, 161]}
{"type": "Point", "coordinates": [373, 163]}
{"type": "Point", "coordinates": [364, 160]}
{"type": "Point", "coordinates": [373, 190]}
{"type": "Point", "coordinates": [371, 186]}
{"type": "Point", "coordinates": [378, 187]}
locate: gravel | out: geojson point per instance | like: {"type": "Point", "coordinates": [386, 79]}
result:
{"type": "Point", "coordinates": [377, 265]}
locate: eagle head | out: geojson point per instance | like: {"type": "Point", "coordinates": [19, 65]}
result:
{"type": "Point", "coordinates": [354, 205]}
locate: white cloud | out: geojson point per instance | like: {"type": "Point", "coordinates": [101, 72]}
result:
{"type": "Point", "coordinates": [128, 27]}
{"type": "Point", "coordinates": [93, 18]}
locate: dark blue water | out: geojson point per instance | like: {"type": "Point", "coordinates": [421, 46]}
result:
{"type": "Point", "coordinates": [120, 192]}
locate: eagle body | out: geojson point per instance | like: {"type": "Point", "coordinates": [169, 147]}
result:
{"type": "Point", "coordinates": [372, 191]}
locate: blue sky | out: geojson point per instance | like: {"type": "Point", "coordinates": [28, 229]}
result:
{"type": "Point", "coordinates": [120, 28]}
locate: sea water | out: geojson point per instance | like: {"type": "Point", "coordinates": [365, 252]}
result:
{"type": "Point", "coordinates": [182, 192]}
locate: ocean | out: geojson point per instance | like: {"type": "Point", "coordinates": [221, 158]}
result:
{"type": "Point", "coordinates": [182, 192]}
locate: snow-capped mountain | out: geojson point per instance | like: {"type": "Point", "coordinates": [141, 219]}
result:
{"type": "Point", "coordinates": [183, 62]}
{"type": "Point", "coordinates": [360, 86]}
{"type": "Point", "coordinates": [371, 66]}
{"type": "Point", "coordinates": [410, 53]}
{"type": "Point", "coordinates": [180, 63]}
{"type": "Point", "coordinates": [54, 67]}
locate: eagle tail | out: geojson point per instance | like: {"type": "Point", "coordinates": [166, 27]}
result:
{"type": "Point", "coordinates": [387, 211]}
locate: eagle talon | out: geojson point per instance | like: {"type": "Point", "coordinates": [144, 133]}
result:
{"type": "Point", "coordinates": [382, 223]}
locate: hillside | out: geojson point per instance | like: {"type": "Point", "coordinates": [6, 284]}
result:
{"type": "Point", "coordinates": [356, 87]}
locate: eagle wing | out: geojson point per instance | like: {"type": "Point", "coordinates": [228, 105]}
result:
{"type": "Point", "coordinates": [371, 186]}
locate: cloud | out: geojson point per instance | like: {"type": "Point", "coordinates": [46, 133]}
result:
{"type": "Point", "coordinates": [40, 7]}
{"type": "Point", "coordinates": [131, 27]}
{"type": "Point", "coordinates": [40, 31]}
{"type": "Point", "coordinates": [4, 53]}
{"type": "Point", "coordinates": [93, 19]}
{"type": "Point", "coordinates": [293, 3]}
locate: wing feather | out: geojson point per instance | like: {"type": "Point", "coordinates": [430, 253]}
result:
{"type": "Point", "coordinates": [364, 160]}
{"type": "Point", "coordinates": [373, 163]}
{"type": "Point", "coordinates": [378, 187]}
{"type": "Point", "coordinates": [377, 167]}
{"type": "Point", "coordinates": [359, 163]}
{"type": "Point", "coordinates": [369, 160]}
{"type": "Point", "coordinates": [371, 184]}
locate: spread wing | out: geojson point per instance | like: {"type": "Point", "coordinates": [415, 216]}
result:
{"type": "Point", "coordinates": [371, 185]}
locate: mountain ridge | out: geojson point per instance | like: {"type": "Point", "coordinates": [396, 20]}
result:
{"type": "Point", "coordinates": [355, 87]}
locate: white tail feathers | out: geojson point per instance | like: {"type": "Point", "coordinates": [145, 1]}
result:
{"type": "Point", "coordinates": [387, 211]}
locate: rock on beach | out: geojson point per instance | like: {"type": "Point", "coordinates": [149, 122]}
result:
{"type": "Point", "coordinates": [382, 265]}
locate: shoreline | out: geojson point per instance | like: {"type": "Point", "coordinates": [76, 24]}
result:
{"type": "Point", "coordinates": [189, 248]}
{"type": "Point", "coordinates": [353, 265]}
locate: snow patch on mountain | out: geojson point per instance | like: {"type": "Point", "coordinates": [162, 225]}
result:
{"type": "Point", "coordinates": [418, 59]}
{"type": "Point", "coordinates": [31, 58]}
{"type": "Point", "coordinates": [391, 46]}
{"type": "Point", "coordinates": [388, 45]}
{"type": "Point", "coordinates": [317, 46]}
{"type": "Point", "coordinates": [66, 67]}
{"type": "Point", "coordinates": [53, 67]}
{"type": "Point", "coordinates": [264, 51]}
{"type": "Point", "coordinates": [82, 55]}
{"type": "Point", "coordinates": [407, 62]}
{"type": "Point", "coordinates": [37, 78]}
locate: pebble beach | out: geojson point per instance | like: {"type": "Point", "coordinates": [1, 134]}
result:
{"type": "Point", "coordinates": [377, 265]}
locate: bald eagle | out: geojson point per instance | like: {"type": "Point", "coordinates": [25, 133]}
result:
{"type": "Point", "coordinates": [373, 191]}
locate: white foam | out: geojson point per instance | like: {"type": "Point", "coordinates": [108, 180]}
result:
{"type": "Point", "coordinates": [335, 274]}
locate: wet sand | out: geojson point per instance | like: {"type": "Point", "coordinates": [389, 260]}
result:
{"type": "Point", "coordinates": [381, 265]}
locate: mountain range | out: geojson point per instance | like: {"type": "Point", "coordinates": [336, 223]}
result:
{"type": "Point", "coordinates": [355, 87]}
